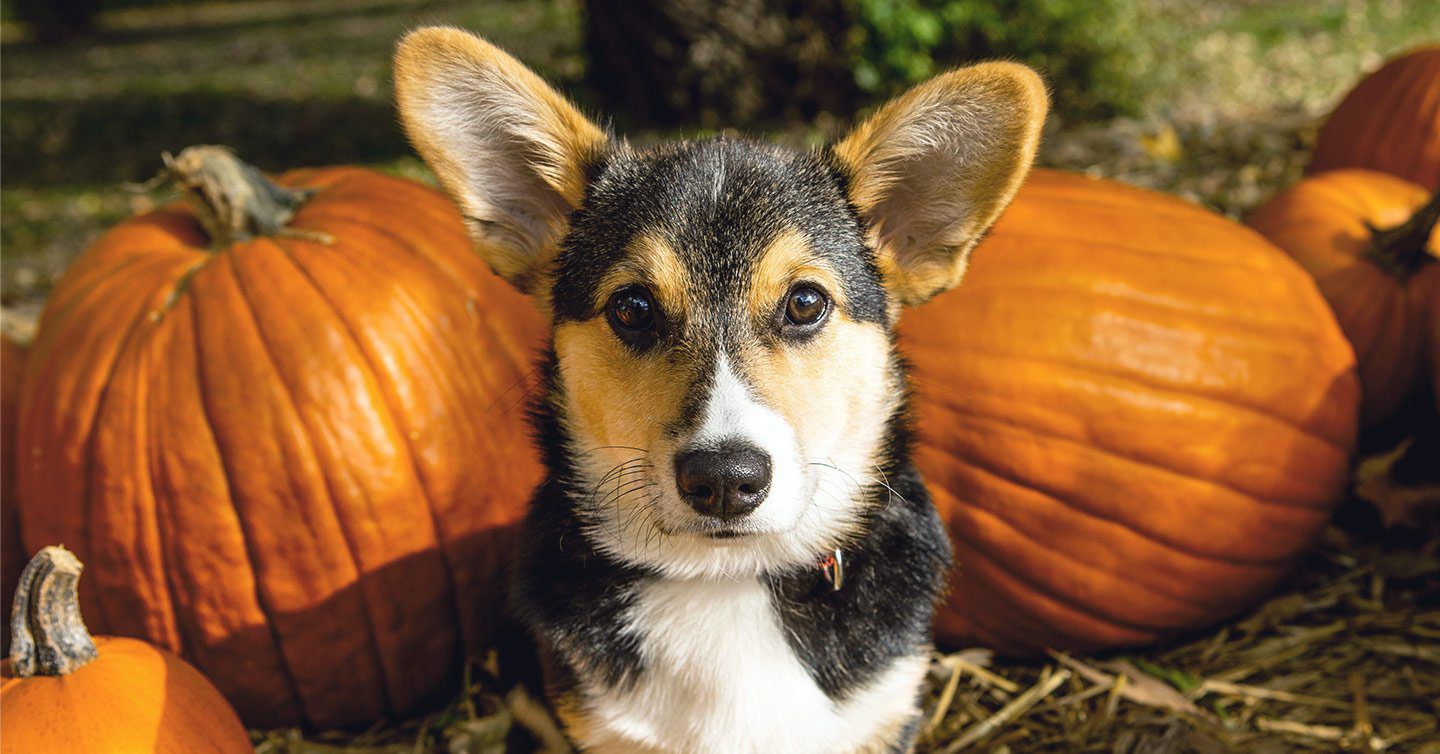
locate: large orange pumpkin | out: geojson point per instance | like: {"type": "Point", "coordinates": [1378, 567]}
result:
{"type": "Point", "coordinates": [1135, 415]}
{"type": "Point", "coordinates": [1389, 122]}
{"type": "Point", "coordinates": [1368, 240]}
{"type": "Point", "coordinates": [290, 457]}
{"type": "Point", "coordinates": [65, 691]}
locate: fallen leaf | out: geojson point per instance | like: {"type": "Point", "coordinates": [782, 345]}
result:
{"type": "Point", "coordinates": [1164, 145]}
{"type": "Point", "coordinates": [1140, 688]}
{"type": "Point", "coordinates": [1146, 689]}
{"type": "Point", "coordinates": [1398, 504]}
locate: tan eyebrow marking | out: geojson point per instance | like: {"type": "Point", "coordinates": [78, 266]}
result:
{"type": "Point", "coordinates": [788, 259]}
{"type": "Point", "coordinates": [651, 260]}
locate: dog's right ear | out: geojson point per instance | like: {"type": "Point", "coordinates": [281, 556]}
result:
{"type": "Point", "coordinates": [932, 169]}
{"type": "Point", "coordinates": [509, 149]}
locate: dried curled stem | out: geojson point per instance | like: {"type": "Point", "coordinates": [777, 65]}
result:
{"type": "Point", "coordinates": [48, 636]}
{"type": "Point", "coordinates": [235, 201]}
{"type": "Point", "coordinates": [1404, 249]}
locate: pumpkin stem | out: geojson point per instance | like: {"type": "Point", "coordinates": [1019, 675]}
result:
{"type": "Point", "coordinates": [47, 635]}
{"type": "Point", "coordinates": [236, 201]}
{"type": "Point", "coordinates": [1403, 249]}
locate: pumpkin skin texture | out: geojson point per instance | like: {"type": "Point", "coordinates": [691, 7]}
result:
{"type": "Point", "coordinates": [1134, 416]}
{"type": "Point", "coordinates": [1389, 122]}
{"type": "Point", "coordinates": [1325, 222]}
{"type": "Point", "coordinates": [134, 699]}
{"type": "Point", "coordinates": [296, 464]}
{"type": "Point", "coordinates": [103, 694]}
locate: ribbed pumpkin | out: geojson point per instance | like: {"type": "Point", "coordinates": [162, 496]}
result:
{"type": "Point", "coordinates": [1368, 240]}
{"type": "Point", "coordinates": [289, 447]}
{"type": "Point", "coordinates": [65, 691]}
{"type": "Point", "coordinates": [1134, 414]}
{"type": "Point", "coordinates": [1389, 122]}
{"type": "Point", "coordinates": [12, 551]}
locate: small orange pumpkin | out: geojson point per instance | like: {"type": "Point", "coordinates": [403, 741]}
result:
{"type": "Point", "coordinates": [284, 427]}
{"type": "Point", "coordinates": [1368, 240]}
{"type": "Point", "coordinates": [1135, 415]}
{"type": "Point", "coordinates": [1389, 122]}
{"type": "Point", "coordinates": [64, 691]}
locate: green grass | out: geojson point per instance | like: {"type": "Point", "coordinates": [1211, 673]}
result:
{"type": "Point", "coordinates": [328, 49]}
{"type": "Point", "coordinates": [1248, 57]}
{"type": "Point", "coordinates": [286, 84]}
{"type": "Point", "coordinates": [302, 83]}
{"type": "Point", "coordinates": [279, 81]}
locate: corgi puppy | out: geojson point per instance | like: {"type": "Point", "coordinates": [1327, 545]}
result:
{"type": "Point", "coordinates": [732, 551]}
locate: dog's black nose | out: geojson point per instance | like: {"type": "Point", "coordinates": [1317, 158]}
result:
{"type": "Point", "coordinates": [724, 483]}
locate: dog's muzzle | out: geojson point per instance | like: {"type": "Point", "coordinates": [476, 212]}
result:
{"type": "Point", "coordinates": [725, 482]}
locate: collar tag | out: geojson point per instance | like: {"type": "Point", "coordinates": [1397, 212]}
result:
{"type": "Point", "coordinates": [833, 568]}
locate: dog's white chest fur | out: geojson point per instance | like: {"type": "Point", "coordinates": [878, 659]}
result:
{"type": "Point", "coordinates": [720, 678]}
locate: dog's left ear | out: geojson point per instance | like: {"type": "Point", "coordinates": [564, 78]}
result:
{"type": "Point", "coordinates": [509, 149]}
{"type": "Point", "coordinates": [932, 170]}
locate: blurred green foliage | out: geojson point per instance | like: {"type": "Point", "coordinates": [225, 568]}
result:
{"type": "Point", "coordinates": [1084, 47]}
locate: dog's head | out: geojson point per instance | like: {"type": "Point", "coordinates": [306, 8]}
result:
{"type": "Point", "coordinates": [722, 309]}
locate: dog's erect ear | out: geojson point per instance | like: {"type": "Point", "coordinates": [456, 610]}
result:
{"type": "Point", "coordinates": [509, 149]}
{"type": "Point", "coordinates": [932, 170]}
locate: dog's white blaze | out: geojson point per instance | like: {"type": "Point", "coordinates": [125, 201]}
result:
{"type": "Point", "coordinates": [732, 413]}
{"type": "Point", "coordinates": [805, 515]}
{"type": "Point", "coordinates": [720, 678]}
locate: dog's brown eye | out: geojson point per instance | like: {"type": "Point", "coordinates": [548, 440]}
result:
{"type": "Point", "coordinates": [805, 306]}
{"type": "Point", "coordinates": [631, 309]}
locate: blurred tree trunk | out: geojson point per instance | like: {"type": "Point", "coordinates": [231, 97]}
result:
{"type": "Point", "coordinates": [719, 62]}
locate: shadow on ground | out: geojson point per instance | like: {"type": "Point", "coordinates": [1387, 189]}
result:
{"type": "Point", "coordinates": [113, 139]}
